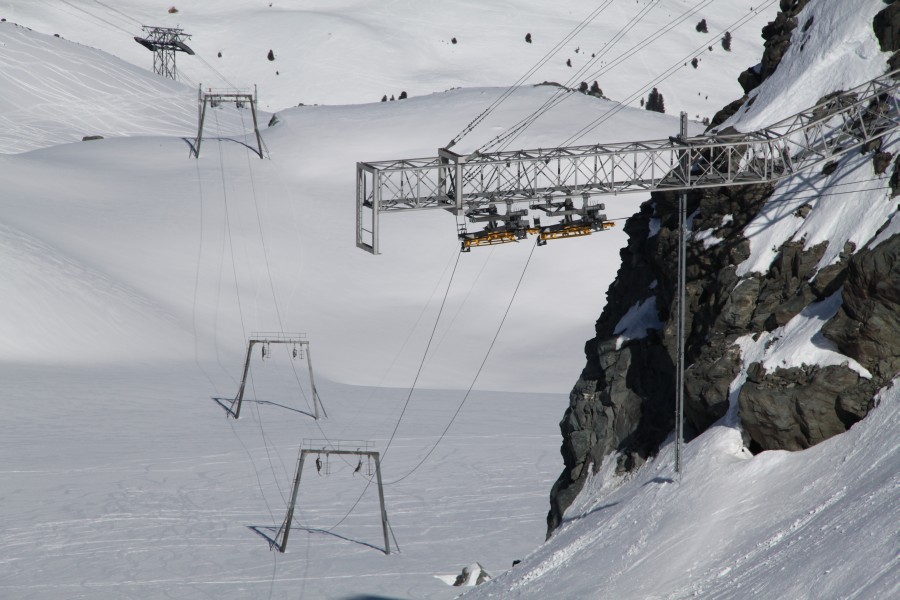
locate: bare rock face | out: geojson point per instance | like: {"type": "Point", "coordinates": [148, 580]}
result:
{"type": "Point", "coordinates": [623, 403]}
{"type": "Point", "coordinates": [777, 35]}
{"type": "Point", "coordinates": [886, 25]}
{"type": "Point", "coordinates": [624, 400]}
{"type": "Point", "coordinates": [867, 327]}
{"type": "Point", "coordinates": [793, 409]}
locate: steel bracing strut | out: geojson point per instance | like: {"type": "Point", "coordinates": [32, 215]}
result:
{"type": "Point", "coordinates": [462, 183]}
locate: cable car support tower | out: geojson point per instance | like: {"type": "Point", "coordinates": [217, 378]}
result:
{"type": "Point", "coordinates": [563, 182]}
{"type": "Point", "coordinates": [164, 42]}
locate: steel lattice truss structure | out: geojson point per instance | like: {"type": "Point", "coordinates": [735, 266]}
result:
{"type": "Point", "coordinates": [466, 184]}
{"type": "Point", "coordinates": [164, 42]}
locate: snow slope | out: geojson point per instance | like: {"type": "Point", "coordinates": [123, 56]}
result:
{"type": "Point", "coordinates": [353, 51]}
{"type": "Point", "coordinates": [230, 244]}
{"type": "Point", "coordinates": [53, 91]}
{"type": "Point", "coordinates": [133, 275]}
{"type": "Point", "coordinates": [821, 523]}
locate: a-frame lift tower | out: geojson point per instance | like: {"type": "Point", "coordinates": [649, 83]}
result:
{"type": "Point", "coordinates": [213, 98]}
{"type": "Point", "coordinates": [475, 185]}
{"type": "Point", "coordinates": [300, 349]}
{"type": "Point", "coordinates": [329, 448]}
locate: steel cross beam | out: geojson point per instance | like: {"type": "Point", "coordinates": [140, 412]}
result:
{"type": "Point", "coordinates": [459, 183]}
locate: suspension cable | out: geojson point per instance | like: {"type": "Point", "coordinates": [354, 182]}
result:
{"type": "Point", "coordinates": [487, 355]}
{"type": "Point", "coordinates": [543, 60]}
{"type": "Point", "coordinates": [678, 65]}
{"type": "Point", "coordinates": [513, 132]}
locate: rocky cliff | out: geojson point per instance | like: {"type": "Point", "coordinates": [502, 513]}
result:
{"type": "Point", "coordinates": [623, 402]}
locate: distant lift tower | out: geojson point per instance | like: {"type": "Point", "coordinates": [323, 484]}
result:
{"type": "Point", "coordinates": [300, 350]}
{"type": "Point", "coordinates": [214, 98]}
{"type": "Point", "coordinates": [164, 42]}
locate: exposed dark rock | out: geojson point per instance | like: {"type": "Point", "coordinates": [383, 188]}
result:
{"type": "Point", "coordinates": [707, 384]}
{"type": "Point", "coordinates": [867, 325]}
{"type": "Point", "coordinates": [829, 279]}
{"type": "Point", "coordinates": [886, 25]}
{"type": "Point", "coordinates": [873, 145]}
{"type": "Point", "coordinates": [785, 290]}
{"type": "Point", "coordinates": [895, 178]}
{"type": "Point", "coordinates": [723, 115]}
{"type": "Point", "coordinates": [750, 79]}
{"type": "Point", "coordinates": [623, 402]}
{"type": "Point", "coordinates": [777, 36]}
{"type": "Point", "coordinates": [90, 138]}
{"type": "Point", "coordinates": [740, 305]}
{"type": "Point", "coordinates": [624, 398]}
{"type": "Point", "coordinates": [793, 409]}
{"type": "Point", "coordinates": [803, 211]}
{"type": "Point", "coordinates": [881, 161]}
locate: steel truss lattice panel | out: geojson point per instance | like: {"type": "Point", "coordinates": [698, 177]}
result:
{"type": "Point", "coordinates": [460, 183]}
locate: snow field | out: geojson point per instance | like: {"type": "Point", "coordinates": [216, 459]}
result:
{"type": "Point", "coordinates": [350, 51]}
{"type": "Point", "coordinates": [128, 482]}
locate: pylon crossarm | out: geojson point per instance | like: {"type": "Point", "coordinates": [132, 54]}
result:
{"type": "Point", "coordinates": [800, 142]}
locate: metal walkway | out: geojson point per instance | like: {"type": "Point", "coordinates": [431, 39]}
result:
{"type": "Point", "coordinates": [568, 177]}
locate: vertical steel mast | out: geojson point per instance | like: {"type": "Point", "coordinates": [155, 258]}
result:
{"type": "Point", "coordinates": [680, 329]}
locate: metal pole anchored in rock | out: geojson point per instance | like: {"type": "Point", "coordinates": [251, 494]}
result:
{"type": "Point", "coordinates": [680, 333]}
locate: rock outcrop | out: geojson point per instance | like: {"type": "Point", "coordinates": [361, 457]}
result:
{"type": "Point", "coordinates": [777, 35]}
{"type": "Point", "coordinates": [623, 403]}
